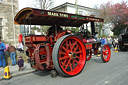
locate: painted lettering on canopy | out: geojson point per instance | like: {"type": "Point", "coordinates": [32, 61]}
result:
{"type": "Point", "coordinates": [77, 17]}
{"type": "Point", "coordinates": [57, 14]}
{"type": "Point", "coordinates": [93, 19]}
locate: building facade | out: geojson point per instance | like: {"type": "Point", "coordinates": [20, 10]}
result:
{"type": "Point", "coordinates": [8, 30]}
{"type": "Point", "coordinates": [71, 8]}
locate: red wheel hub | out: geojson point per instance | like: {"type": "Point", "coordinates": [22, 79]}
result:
{"type": "Point", "coordinates": [106, 53]}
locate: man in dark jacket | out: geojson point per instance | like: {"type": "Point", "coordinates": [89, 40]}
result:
{"type": "Point", "coordinates": [12, 51]}
{"type": "Point", "coordinates": [2, 57]}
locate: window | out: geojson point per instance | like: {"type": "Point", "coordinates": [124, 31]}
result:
{"type": "Point", "coordinates": [0, 21]}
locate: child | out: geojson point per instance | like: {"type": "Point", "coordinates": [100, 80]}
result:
{"type": "Point", "coordinates": [20, 63]}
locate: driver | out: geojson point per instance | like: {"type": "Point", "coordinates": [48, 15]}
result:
{"type": "Point", "coordinates": [85, 31]}
{"type": "Point", "coordinates": [51, 30]}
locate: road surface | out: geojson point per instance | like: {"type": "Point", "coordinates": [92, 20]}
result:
{"type": "Point", "coordinates": [115, 72]}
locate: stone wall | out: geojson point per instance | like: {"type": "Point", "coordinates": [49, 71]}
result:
{"type": "Point", "coordinates": [7, 26]}
{"type": "Point", "coordinates": [7, 15]}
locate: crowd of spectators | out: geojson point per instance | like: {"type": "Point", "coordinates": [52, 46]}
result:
{"type": "Point", "coordinates": [12, 51]}
{"type": "Point", "coordinates": [112, 42]}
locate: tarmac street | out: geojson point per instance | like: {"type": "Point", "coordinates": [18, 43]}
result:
{"type": "Point", "coordinates": [115, 72]}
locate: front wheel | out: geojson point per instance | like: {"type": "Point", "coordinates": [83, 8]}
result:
{"type": "Point", "coordinates": [105, 53]}
{"type": "Point", "coordinates": [69, 55]}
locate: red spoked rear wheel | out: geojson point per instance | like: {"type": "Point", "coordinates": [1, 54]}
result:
{"type": "Point", "coordinates": [69, 55]}
{"type": "Point", "coordinates": [105, 53]}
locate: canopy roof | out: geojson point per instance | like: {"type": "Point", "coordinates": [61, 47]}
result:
{"type": "Point", "coordinates": [32, 16]}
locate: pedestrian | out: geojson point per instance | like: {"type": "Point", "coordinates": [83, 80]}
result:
{"type": "Point", "coordinates": [20, 63]}
{"type": "Point", "coordinates": [12, 51]}
{"type": "Point", "coordinates": [102, 41]}
{"type": "Point", "coordinates": [2, 57]}
{"type": "Point", "coordinates": [6, 46]}
{"type": "Point", "coordinates": [105, 40]}
{"type": "Point", "coordinates": [20, 48]}
{"type": "Point", "coordinates": [109, 41]}
{"type": "Point", "coordinates": [116, 42]}
{"type": "Point", "coordinates": [113, 42]}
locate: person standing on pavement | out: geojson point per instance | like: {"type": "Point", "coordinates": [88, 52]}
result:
{"type": "Point", "coordinates": [2, 57]}
{"type": "Point", "coordinates": [20, 63]}
{"type": "Point", "coordinates": [116, 42]}
{"type": "Point", "coordinates": [109, 41]}
{"type": "Point", "coordinates": [12, 51]}
{"type": "Point", "coordinates": [102, 41]}
{"type": "Point", "coordinates": [20, 47]}
{"type": "Point", "coordinates": [105, 40]}
{"type": "Point", "coordinates": [113, 42]}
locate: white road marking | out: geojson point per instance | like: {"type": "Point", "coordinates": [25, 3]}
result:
{"type": "Point", "coordinates": [106, 82]}
{"type": "Point", "coordinates": [123, 80]}
{"type": "Point", "coordinates": [107, 79]}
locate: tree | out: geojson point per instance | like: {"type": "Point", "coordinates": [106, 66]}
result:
{"type": "Point", "coordinates": [76, 6]}
{"type": "Point", "coordinates": [43, 4]}
{"type": "Point", "coordinates": [103, 12]}
{"type": "Point", "coordinates": [116, 14]}
{"type": "Point", "coordinates": [119, 16]}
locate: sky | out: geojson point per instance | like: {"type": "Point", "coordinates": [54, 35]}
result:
{"type": "Point", "coordinates": [86, 3]}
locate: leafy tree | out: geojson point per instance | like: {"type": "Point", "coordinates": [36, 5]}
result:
{"type": "Point", "coordinates": [116, 14]}
{"type": "Point", "coordinates": [44, 28]}
{"type": "Point", "coordinates": [119, 16]}
{"type": "Point", "coordinates": [100, 26]}
{"type": "Point", "coordinates": [34, 28]}
{"type": "Point", "coordinates": [75, 29]}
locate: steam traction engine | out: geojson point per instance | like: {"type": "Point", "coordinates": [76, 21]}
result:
{"type": "Point", "coordinates": [60, 49]}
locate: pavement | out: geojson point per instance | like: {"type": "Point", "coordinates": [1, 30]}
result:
{"type": "Point", "coordinates": [14, 70]}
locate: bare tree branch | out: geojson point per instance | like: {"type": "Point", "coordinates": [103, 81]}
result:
{"type": "Point", "coordinates": [42, 4]}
